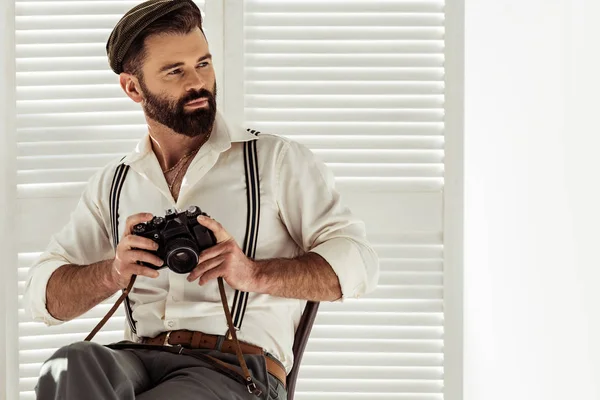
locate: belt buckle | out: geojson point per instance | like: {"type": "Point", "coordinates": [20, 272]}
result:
{"type": "Point", "coordinates": [252, 389]}
{"type": "Point", "coordinates": [166, 342]}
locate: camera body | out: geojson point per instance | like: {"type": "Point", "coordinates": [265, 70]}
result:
{"type": "Point", "coordinates": [180, 238]}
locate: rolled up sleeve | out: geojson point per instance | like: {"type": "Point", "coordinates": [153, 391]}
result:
{"type": "Point", "coordinates": [84, 240]}
{"type": "Point", "coordinates": [311, 208]}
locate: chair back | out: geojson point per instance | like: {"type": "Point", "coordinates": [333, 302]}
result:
{"type": "Point", "coordinates": [300, 340]}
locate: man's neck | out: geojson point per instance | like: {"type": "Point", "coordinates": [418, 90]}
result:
{"type": "Point", "coordinates": [170, 147]}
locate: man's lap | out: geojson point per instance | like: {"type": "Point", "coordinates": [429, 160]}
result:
{"type": "Point", "coordinates": [155, 374]}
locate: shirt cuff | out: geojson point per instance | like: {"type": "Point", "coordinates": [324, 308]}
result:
{"type": "Point", "coordinates": [35, 294]}
{"type": "Point", "coordinates": [347, 262]}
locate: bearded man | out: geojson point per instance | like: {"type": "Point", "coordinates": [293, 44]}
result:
{"type": "Point", "coordinates": [265, 193]}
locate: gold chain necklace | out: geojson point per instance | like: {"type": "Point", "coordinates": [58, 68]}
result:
{"type": "Point", "coordinates": [181, 163]}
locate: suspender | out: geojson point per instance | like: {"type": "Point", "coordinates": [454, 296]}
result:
{"type": "Point", "coordinates": [240, 299]}
{"type": "Point", "coordinates": [115, 195]}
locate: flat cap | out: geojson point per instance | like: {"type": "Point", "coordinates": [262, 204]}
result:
{"type": "Point", "coordinates": [134, 22]}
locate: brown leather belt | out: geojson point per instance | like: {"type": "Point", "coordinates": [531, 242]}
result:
{"type": "Point", "coordinates": [199, 340]}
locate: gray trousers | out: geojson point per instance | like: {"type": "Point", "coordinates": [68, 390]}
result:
{"type": "Point", "coordinates": [90, 371]}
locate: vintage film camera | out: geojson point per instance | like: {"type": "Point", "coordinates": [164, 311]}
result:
{"type": "Point", "coordinates": [180, 238]}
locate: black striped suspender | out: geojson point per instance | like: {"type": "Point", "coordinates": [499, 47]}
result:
{"type": "Point", "coordinates": [240, 299]}
{"type": "Point", "coordinates": [115, 194]}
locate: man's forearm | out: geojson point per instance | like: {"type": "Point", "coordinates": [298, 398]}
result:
{"type": "Point", "coordinates": [73, 289]}
{"type": "Point", "coordinates": [307, 277]}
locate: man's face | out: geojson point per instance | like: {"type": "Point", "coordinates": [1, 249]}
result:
{"type": "Point", "coordinates": [178, 83]}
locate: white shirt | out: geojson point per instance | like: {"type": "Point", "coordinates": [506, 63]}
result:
{"type": "Point", "coordinates": [300, 212]}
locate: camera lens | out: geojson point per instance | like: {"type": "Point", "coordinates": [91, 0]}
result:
{"type": "Point", "coordinates": [182, 255]}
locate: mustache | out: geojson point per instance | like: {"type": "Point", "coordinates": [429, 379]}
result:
{"type": "Point", "coordinates": [195, 95]}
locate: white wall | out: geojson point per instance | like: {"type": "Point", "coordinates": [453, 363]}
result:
{"type": "Point", "coordinates": [532, 271]}
{"type": "Point", "coordinates": [8, 290]}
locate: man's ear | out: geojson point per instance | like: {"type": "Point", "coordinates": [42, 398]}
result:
{"type": "Point", "coordinates": [131, 87]}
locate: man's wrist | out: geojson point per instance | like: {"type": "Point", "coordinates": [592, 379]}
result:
{"type": "Point", "coordinates": [260, 280]}
{"type": "Point", "coordinates": [112, 277]}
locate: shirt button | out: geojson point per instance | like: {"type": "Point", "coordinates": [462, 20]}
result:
{"type": "Point", "coordinates": [170, 324]}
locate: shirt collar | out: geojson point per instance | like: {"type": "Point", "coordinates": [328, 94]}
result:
{"type": "Point", "coordinates": [224, 133]}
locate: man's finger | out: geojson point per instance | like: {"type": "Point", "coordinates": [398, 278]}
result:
{"type": "Point", "coordinates": [212, 274]}
{"type": "Point", "coordinates": [204, 267]}
{"type": "Point", "coordinates": [139, 242]}
{"type": "Point", "coordinates": [139, 255]}
{"type": "Point", "coordinates": [212, 252]}
{"type": "Point", "coordinates": [134, 220]}
{"type": "Point", "coordinates": [217, 229]}
{"type": "Point", "coordinates": [145, 271]}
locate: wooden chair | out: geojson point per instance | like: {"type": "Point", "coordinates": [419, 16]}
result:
{"type": "Point", "coordinates": [300, 340]}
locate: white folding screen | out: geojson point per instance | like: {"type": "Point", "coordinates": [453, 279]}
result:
{"type": "Point", "coordinates": [361, 82]}
{"type": "Point", "coordinates": [72, 119]}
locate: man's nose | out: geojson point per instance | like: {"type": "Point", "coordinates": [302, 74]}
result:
{"type": "Point", "coordinates": [194, 81]}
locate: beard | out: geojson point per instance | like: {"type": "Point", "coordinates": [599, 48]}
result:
{"type": "Point", "coordinates": [172, 114]}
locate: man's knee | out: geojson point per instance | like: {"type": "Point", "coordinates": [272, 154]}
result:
{"type": "Point", "coordinates": [79, 350]}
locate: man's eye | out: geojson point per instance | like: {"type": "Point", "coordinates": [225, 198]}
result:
{"type": "Point", "coordinates": [175, 72]}
{"type": "Point", "coordinates": [202, 64]}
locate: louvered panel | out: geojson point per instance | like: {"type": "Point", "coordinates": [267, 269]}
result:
{"type": "Point", "coordinates": [71, 92]}
{"type": "Point", "coordinates": [81, 326]}
{"type": "Point", "coordinates": [48, 64]}
{"type": "Point", "coordinates": [379, 32]}
{"type": "Point", "coordinates": [376, 345]}
{"type": "Point", "coordinates": [346, 87]}
{"type": "Point", "coordinates": [344, 6]}
{"type": "Point", "coordinates": [72, 119]}
{"type": "Point", "coordinates": [79, 119]}
{"type": "Point", "coordinates": [90, 8]}
{"type": "Point", "coordinates": [329, 115]}
{"type": "Point", "coordinates": [365, 385]}
{"type": "Point", "coordinates": [57, 162]}
{"type": "Point", "coordinates": [61, 50]}
{"type": "Point", "coordinates": [329, 101]}
{"type": "Point", "coordinates": [345, 74]}
{"type": "Point", "coordinates": [59, 36]}
{"type": "Point", "coordinates": [362, 84]}
{"type": "Point", "coordinates": [67, 78]}
{"type": "Point", "coordinates": [348, 128]}
{"type": "Point", "coordinates": [359, 47]}
{"type": "Point", "coordinates": [112, 132]}
{"type": "Point", "coordinates": [32, 107]}
{"type": "Point", "coordinates": [353, 372]}
{"type": "Point", "coordinates": [344, 60]}
{"type": "Point", "coordinates": [343, 17]}
{"type": "Point", "coordinates": [302, 395]}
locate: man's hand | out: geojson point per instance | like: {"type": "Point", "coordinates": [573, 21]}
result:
{"type": "Point", "coordinates": [131, 250]}
{"type": "Point", "coordinates": [225, 259]}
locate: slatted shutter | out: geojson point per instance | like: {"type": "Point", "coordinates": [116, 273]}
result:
{"type": "Point", "coordinates": [72, 119]}
{"type": "Point", "coordinates": [361, 83]}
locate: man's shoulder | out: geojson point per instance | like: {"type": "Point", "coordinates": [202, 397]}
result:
{"type": "Point", "coordinates": [101, 181]}
{"type": "Point", "coordinates": [276, 143]}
